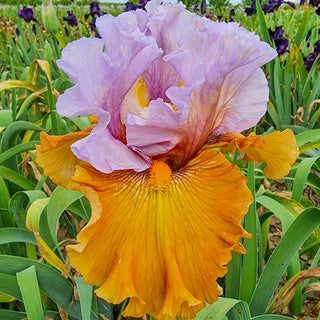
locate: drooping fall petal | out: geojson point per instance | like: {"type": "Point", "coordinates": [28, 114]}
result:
{"type": "Point", "coordinates": [54, 155]}
{"type": "Point", "coordinates": [161, 238]}
{"type": "Point", "coordinates": [278, 150]}
{"type": "Point", "coordinates": [279, 153]}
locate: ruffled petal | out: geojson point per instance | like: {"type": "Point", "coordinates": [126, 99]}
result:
{"type": "Point", "coordinates": [223, 86]}
{"type": "Point", "coordinates": [106, 153]}
{"type": "Point", "coordinates": [158, 133]}
{"type": "Point", "coordinates": [279, 153]}
{"type": "Point", "coordinates": [165, 23]}
{"type": "Point", "coordinates": [102, 80]}
{"type": "Point", "coordinates": [54, 155]}
{"type": "Point", "coordinates": [82, 60]}
{"type": "Point", "coordinates": [137, 243]}
{"type": "Point", "coordinates": [278, 150]}
{"type": "Point", "coordinates": [129, 53]}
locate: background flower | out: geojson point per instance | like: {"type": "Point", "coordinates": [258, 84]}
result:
{"type": "Point", "coordinates": [27, 14]}
{"type": "Point", "coordinates": [280, 41]}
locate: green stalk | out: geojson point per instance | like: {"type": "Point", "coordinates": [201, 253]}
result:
{"type": "Point", "coordinates": [61, 40]}
{"type": "Point", "coordinates": [250, 259]}
{"type": "Point", "coordinates": [52, 106]}
{"type": "Point", "coordinates": [13, 94]}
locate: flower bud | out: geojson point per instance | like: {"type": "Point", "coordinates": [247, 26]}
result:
{"type": "Point", "coordinates": [49, 17]}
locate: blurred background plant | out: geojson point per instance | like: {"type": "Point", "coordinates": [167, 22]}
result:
{"type": "Point", "coordinates": [37, 219]}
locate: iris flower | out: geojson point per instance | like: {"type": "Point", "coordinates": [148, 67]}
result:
{"type": "Point", "coordinates": [311, 58]}
{"type": "Point", "coordinates": [273, 5]}
{"type": "Point", "coordinates": [168, 90]}
{"type": "Point", "coordinates": [71, 19]}
{"type": "Point", "coordinates": [27, 14]}
{"type": "Point", "coordinates": [132, 6]}
{"type": "Point", "coordinates": [280, 41]}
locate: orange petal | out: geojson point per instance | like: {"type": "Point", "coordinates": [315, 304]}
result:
{"type": "Point", "coordinates": [230, 142]}
{"type": "Point", "coordinates": [278, 150]}
{"type": "Point", "coordinates": [279, 153]}
{"type": "Point", "coordinates": [55, 156]}
{"type": "Point", "coordinates": [161, 238]}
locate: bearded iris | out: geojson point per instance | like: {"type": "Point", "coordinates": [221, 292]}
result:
{"type": "Point", "coordinates": [168, 89]}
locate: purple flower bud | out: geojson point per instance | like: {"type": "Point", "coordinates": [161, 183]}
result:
{"type": "Point", "coordinates": [231, 14]}
{"type": "Point", "coordinates": [203, 7]}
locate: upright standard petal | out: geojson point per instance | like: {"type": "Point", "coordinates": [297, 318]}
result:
{"type": "Point", "coordinates": [83, 62]}
{"type": "Point", "coordinates": [103, 71]}
{"type": "Point", "coordinates": [137, 244]}
{"type": "Point", "coordinates": [221, 86]}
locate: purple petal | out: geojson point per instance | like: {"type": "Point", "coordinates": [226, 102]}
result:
{"type": "Point", "coordinates": [157, 134]}
{"type": "Point", "coordinates": [106, 153]}
{"type": "Point", "coordinates": [243, 102]}
{"type": "Point", "coordinates": [84, 64]}
{"type": "Point", "coordinates": [128, 54]}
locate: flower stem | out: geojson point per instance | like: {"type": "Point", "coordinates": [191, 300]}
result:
{"type": "Point", "coordinates": [250, 259]}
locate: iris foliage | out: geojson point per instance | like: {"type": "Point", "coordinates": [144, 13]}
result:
{"type": "Point", "coordinates": [38, 219]}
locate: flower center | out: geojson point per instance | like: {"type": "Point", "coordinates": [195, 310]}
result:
{"type": "Point", "coordinates": [160, 175]}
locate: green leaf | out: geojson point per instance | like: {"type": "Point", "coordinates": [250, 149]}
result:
{"type": "Point", "coordinates": [13, 130]}
{"type": "Point", "coordinates": [16, 178]}
{"type": "Point", "coordinates": [250, 259]}
{"type": "Point", "coordinates": [4, 195]}
{"type": "Point", "coordinates": [308, 136]}
{"type": "Point", "coordinates": [29, 100]}
{"type": "Point", "coordinates": [8, 235]}
{"type": "Point", "coordinates": [12, 315]}
{"type": "Point", "coordinates": [287, 217]}
{"type": "Point", "coordinates": [293, 239]}
{"type": "Point", "coordinates": [57, 287]}
{"type": "Point", "coordinates": [28, 284]}
{"type": "Point", "coordinates": [278, 71]}
{"type": "Point", "coordinates": [4, 156]}
{"type": "Point", "coordinates": [303, 27]}
{"type": "Point", "coordinates": [271, 317]}
{"type": "Point", "coordinates": [85, 295]}
{"type": "Point", "coordinates": [236, 310]}
{"type": "Point", "coordinates": [81, 122]}
{"type": "Point", "coordinates": [301, 177]}
{"type": "Point", "coordinates": [9, 285]}
{"type": "Point", "coordinates": [263, 26]}
{"type": "Point", "coordinates": [5, 118]}
{"type": "Point", "coordinates": [17, 204]}
{"type": "Point", "coordinates": [60, 200]}
{"type": "Point", "coordinates": [233, 277]}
